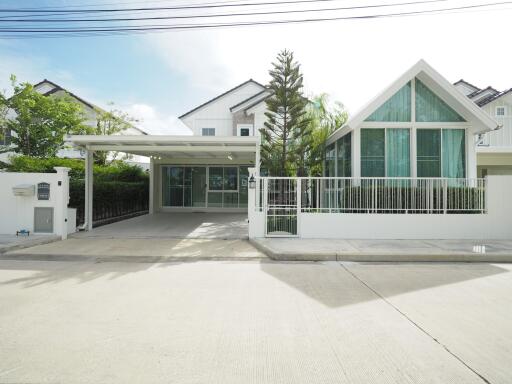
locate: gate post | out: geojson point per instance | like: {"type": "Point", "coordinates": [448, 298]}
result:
{"type": "Point", "coordinates": [298, 191]}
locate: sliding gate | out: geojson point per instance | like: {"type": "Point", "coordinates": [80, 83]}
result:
{"type": "Point", "coordinates": [281, 201]}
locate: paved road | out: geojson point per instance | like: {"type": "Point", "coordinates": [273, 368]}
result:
{"type": "Point", "coordinates": [255, 322]}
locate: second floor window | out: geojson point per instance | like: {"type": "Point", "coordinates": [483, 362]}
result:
{"type": "Point", "coordinates": [208, 132]}
{"type": "Point", "coordinates": [500, 111]}
{"type": "Point", "coordinates": [244, 131]}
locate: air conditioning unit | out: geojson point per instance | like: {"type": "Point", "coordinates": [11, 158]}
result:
{"type": "Point", "coordinates": [24, 190]}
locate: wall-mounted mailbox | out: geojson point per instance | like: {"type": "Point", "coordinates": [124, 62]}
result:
{"type": "Point", "coordinates": [43, 191]}
{"type": "Point", "coordinates": [23, 190]}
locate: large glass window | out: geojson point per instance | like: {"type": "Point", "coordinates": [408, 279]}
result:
{"type": "Point", "coordinates": [398, 152]}
{"type": "Point", "coordinates": [372, 152]}
{"type": "Point", "coordinates": [454, 153]}
{"type": "Point", "coordinates": [441, 153]}
{"type": "Point", "coordinates": [385, 152]}
{"type": "Point", "coordinates": [431, 108]}
{"type": "Point", "coordinates": [344, 156]}
{"type": "Point", "coordinates": [396, 108]}
{"type": "Point", "coordinates": [330, 158]}
{"type": "Point", "coordinates": [428, 152]}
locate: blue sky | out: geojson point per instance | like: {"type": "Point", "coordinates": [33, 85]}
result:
{"type": "Point", "coordinates": [157, 77]}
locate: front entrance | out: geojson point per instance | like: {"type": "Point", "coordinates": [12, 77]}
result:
{"type": "Point", "coordinates": [281, 206]}
{"type": "Point", "coordinates": [219, 186]}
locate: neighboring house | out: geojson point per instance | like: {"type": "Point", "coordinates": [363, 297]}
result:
{"type": "Point", "coordinates": [91, 112]}
{"type": "Point", "coordinates": [237, 112]}
{"type": "Point", "coordinates": [494, 150]}
{"type": "Point", "coordinates": [420, 126]}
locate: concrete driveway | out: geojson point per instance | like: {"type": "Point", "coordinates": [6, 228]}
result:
{"type": "Point", "coordinates": [255, 322]}
{"type": "Point", "coordinates": [188, 225]}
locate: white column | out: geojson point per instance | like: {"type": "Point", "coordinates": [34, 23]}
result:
{"type": "Point", "coordinates": [151, 186]}
{"type": "Point", "coordinates": [89, 162]}
{"type": "Point", "coordinates": [61, 205]}
{"type": "Point", "coordinates": [258, 158]}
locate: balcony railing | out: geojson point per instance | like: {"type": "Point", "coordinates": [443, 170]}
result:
{"type": "Point", "coordinates": [373, 195]}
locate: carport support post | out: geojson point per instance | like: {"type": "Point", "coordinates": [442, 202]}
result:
{"type": "Point", "coordinates": [151, 185]}
{"type": "Point", "coordinates": [89, 162]}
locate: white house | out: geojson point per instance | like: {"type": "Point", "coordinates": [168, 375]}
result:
{"type": "Point", "coordinates": [494, 150]}
{"type": "Point", "coordinates": [403, 167]}
{"type": "Point", "coordinates": [419, 126]}
{"type": "Point", "coordinates": [91, 112]}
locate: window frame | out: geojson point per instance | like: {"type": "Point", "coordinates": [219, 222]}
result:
{"type": "Point", "coordinates": [209, 130]}
{"type": "Point", "coordinates": [385, 129]}
{"type": "Point", "coordinates": [500, 107]}
{"type": "Point", "coordinates": [239, 128]}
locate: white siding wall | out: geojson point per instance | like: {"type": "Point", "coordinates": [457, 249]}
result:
{"type": "Point", "coordinates": [217, 114]}
{"type": "Point", "coordinates": [502, 137]}
{"type": "Point", "coordinates": [259, 117]}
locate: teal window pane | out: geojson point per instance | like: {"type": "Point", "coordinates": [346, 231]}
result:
{"type": "Point", "coordinates": [372, 152]}
{"type": "Point", "coordinates": [216, 179]}
{"type": "Point", "coordinates": [454, 153]}
{"type": "Point", "coordinates": [431, 108]}
{"type": "Point", "coordinates": [330, 158]}
{"type": "Point", "coordinates": [215, 199]}
{"type": "Point", "coordinates": [344, 156]}
{"type": "Point", "coordinates": [428, 152]}
{"type": "Point", "coordinates": [398, 152]}
{"type": "Point", "coordinates": [396, 108]}
{"type": "Point", "coordinates": [166, 187]}
{"type": "Point", "coordinates": [230, 178]}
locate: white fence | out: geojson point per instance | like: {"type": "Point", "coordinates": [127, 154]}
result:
{"type": "Point", "coordinates": [381, 208]}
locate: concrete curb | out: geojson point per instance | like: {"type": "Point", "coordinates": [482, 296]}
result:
{"type": "Point", "coordinates": [29, 243]}
{"type": "Point", "coordinates": [383, 256]}
{"type": "Point", "coordinates": [124, 259]}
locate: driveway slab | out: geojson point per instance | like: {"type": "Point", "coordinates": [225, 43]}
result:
{"type": "Point", "coordinates": [254, 322]}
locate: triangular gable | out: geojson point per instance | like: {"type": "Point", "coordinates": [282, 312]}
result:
{"type": "Point", "coordinates": [481, 121]}
{"type": "Point", "coordinates": [431, 108]}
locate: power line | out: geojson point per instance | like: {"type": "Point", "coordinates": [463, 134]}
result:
{"type": "Point", "coordinates": [12, 32]}
{"type": "Point", "coordinates": [229, 14]}
{"type": "Point", "coordinates": [195, 6]}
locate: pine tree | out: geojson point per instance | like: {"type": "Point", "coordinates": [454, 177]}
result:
{"type": "Point", "coordinates": [285, 138]}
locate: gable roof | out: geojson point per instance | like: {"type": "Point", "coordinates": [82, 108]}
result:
{"type": "Point", "coordinates": [251, 101]}
{"type": "Point", "coordinates": [462, 81]}
{"type": "Point", "coordinates": [57, 88]}
{"type": "Point", "coordinates": [221, 95]}
{"type": "Point", "coordinates": [495, 94]}
{"type": "Point", "coordinates": [432, 79]}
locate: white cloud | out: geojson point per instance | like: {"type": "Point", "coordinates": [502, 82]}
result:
{"type": "Point", "coordinates": [350, 60]}
{"type": "Point", "coordinates": [150, 121]}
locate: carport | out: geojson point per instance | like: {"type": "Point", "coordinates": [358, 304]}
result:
{"type": "Point", "coordinates": [187, 174]}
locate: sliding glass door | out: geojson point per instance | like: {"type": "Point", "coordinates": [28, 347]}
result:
{"type": "Point", "coordinates": [196, 186]}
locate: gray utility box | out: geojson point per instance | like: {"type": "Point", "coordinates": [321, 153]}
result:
{"type": "Point", "coordinates": [43, 219]}
{"type": "Point", "coordinates": [23, 190]}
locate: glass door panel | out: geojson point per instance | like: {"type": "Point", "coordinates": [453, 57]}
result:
{"type": "Point", "coordinates": [198, 186]}
{"type": "Point", "coordinates": [242, 188]}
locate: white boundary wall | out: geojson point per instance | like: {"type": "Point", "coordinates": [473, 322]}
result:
{"type": "Point", "coordinates": [495, 224]}
{"type": "Point", "coordinates": [17, 212]}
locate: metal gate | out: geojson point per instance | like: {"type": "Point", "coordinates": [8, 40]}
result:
{"type": "Point", "coordinates": [281, 201]}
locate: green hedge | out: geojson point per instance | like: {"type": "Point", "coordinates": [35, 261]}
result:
{"type": "Point", "coordinates": [117, 171]}
{"type": "Point", "coordinates": [110, 198]}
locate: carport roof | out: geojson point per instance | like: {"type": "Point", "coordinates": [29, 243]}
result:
{"type": "Point", "coordinates": [177, 146]}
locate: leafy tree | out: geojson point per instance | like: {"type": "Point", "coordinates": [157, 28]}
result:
{"type": "Point", "coordinates": [110, 123]}
{"type": "Point", "coordinates": [39, 122]}
{"type": "Point", "coordinates": [285, 134]}
{"type": "Point", "coordinates": [324, 119]}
